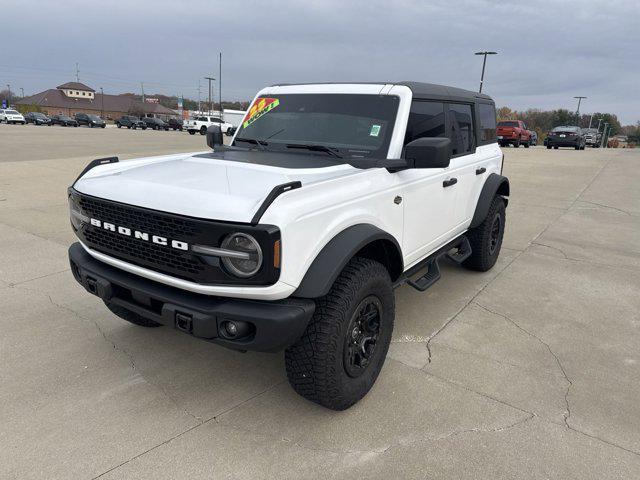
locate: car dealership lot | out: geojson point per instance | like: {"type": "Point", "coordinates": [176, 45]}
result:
{"type": "Point", "coordinates": [530, 370]}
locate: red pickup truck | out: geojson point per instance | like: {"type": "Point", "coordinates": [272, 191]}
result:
{"type": "Point", "coordinates": [513, 132]}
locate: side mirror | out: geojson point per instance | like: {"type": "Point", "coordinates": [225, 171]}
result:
{"type": "Point", "coordinates": [428, 152]}
{"type": "Point", "coordinates": [214, 136]}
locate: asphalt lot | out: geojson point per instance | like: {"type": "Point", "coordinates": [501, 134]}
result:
{"type": "Point", "coordinates": [529, 371]}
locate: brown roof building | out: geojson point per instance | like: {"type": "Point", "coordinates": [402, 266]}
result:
{"type": "Point", "coordinates": [75, 97]}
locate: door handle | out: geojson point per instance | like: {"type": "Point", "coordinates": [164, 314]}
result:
{"type": "Point", "coordinates": [448, 183]}
{"type": "Point", "coordinates": [480, 171]}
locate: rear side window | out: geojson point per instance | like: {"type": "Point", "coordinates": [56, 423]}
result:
{"type": "Point", "coordinates": [426, 119]}
{"type": "Point", "coordinates": [487, 123]}
{"type": "Point", "coordinates": [462, 135]}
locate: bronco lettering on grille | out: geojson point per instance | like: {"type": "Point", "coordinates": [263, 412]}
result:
{"type": "Point", "coordinates": [144, 236]}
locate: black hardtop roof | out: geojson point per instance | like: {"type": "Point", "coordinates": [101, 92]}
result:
{"type": "Point", "coordinates": [427, 91]}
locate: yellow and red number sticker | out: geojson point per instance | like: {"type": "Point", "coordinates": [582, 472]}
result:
{"type": "Point", "coordinates": [260, 107]}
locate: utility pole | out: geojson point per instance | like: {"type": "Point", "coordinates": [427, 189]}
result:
{"type": "Point", "coordinates": [210, 105]}
{"type": "Point", "coordinates": [142, 87]}
{"type": "Point", "coordinates": [220, 83]}
{"type": "Point", "coordinates": [9, 89]}
{"type": "Point", "coordinates": [22, 91]}
{"type": "Point", "coordinates": [77, 73]}
{"type": "Point", "coordinates": [590, 120]}
{"type": "Point", "coordinates": [484, 63]}
{"type": "Point", "coordinates": [599, 121]}
{"type": "Point", "coordinates": [578, 110]}
{"type": "Point", "coordinates": [102, 102]}
{"type": "Point", "coordinates": [199, 106]}
{"type": "Point", "coordinates": [604, 134]}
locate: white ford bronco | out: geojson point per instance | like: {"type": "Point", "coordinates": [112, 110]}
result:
{"type": "Point", "coordinates": [294, 236]}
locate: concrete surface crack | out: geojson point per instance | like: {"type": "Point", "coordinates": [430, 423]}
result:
{"type": "Point", "coordinates": [607, 206]}
{"type": "Point", "coordinates": [178, 435]}
{"type": "Point", "coordinates": [567, 413]}
{"type": "Point", "coordinates": [489, 430]}
{"type": "Point", "coordinates": [566, 257]}
{"type": "Point", "coordinates": [446, 324]}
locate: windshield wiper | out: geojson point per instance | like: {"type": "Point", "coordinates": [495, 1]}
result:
{"type": "Point", "coordinates": [316, 148]}
{"type": "Point", "coordinates": [260, 143]}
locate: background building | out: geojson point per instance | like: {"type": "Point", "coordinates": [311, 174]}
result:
{"type": "Point", "coordinates": [75, 97]}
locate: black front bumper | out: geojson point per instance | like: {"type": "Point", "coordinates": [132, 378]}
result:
{"type": "Point", "coordinates": [276, 324]}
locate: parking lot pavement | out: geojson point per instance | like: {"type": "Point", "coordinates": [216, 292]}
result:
{"type": "Point", "coordinates": [530, 370]}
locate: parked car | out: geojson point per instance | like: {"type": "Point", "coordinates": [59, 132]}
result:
{"type": "Point", "coordinates": [297, 242]}
{"type": "Point", "coordinates": [63, 120]}
{"type": "Point", "coordinates": [130, 121]}
{"type": "Point", "coordinates": [155, 123]}
{"type": "Point", "coordinates": [513, 132]}
{"type": "Point", "coordinates": [37, 118]}
{"type": "Point", "coordinates": [566, 136]}
{"type": "Point", "coordinates": [534, 138]}
{"type": "Point", "coordinates": [592, 137]}
{"type": "Point", "coordinates": [11, 116]}
{"type": "Point", "coordinates": [202, 122]}
{"type": "Point", "coordinates": [90, 120]}
{"type": "Point", "coordinates": [175, 124]}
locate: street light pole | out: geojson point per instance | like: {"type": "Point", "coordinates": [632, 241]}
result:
{"type": "Point", "coordinates": [210, 80]}
{"type": "Point", "coordinates": [578, 110]}
{"type": "Point", "coordinates": [484, 64]}
{"type": "Point", "coordinates": [604, 134]}
{"type": "Point", "coordinates": [102, 102]}
{"type": "Point", "coordinates": [9, 89]}
{"type": "Point", "coordinates": [22, 91]}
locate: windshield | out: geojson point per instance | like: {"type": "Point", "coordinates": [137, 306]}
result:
{"type": "Point", "coordinates": [507, 124]}
{"type": "Point", "coordinates": [352, 124]}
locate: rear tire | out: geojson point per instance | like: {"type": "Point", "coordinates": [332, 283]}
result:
{"type": "Point", "coordinates": [203, 130]}
{"type": "Point", "coordinates": [516, 144]}
{"type": "Point", "coordinates": [131, 317]}
{"type": "Point", "coordinates": [526, 145]}
{"type": "Point", "coordinates": [339, 356]}
{"type": "Point", "coordinates": [192, 132]}
{"type": "Point", "coordinates": [548, 147]}
{"type": "Point", "coordinates": [486, 238]}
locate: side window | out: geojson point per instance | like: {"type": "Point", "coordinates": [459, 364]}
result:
{"type": "Point", "coordinates": [462, 137]}
{"type": "Point", "coordinates": [426, 119]}
{"type": "Point", "coordinates": [487, 123]}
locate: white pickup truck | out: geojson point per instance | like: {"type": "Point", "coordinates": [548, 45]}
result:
{"type": "Point", "coordinates": [294, 236]}
{"type": "Point", "coordinates": [202, 122]}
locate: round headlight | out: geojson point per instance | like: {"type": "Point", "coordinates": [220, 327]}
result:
{"type": "Point", "coordinates": [242, 243]}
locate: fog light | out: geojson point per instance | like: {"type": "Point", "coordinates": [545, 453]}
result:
{"type": "Point", "coordinates": [235, 329]}
{"type": "Point", "coordinates": [231, 329]}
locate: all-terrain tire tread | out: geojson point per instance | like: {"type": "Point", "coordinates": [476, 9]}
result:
{"type": "Point", "coordinates": [311, 361]}
{"type": "Point", "coordinates": [480, 259]}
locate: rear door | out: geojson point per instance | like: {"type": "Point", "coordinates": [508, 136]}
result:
{"type": "Point", "coordinates": [465, 160]}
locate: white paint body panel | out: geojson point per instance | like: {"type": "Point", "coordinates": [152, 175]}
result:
{"type": "Point", "coordinates": [331, 199]}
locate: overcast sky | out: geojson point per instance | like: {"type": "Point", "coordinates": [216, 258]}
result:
{"type": "Point", "coordinates": [549, 51]}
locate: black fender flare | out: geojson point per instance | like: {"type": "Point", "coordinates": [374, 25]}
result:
{"type": "Point", "coordinates": [335, 255]}
{"type": "Point", "coordinates": [494, 185]}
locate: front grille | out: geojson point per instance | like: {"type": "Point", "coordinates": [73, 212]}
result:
{"type": "Point", "coordinates": [164, 258]}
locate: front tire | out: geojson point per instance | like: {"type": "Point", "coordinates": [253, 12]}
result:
{"type": "Point", "coordinates": [192, 132]}
{"type": "Point", "coordinates": [339, 356]}
{"type": "Point", "coordinates": [130, 316]}
{"type": "Point", "coordinates": [486, 238]}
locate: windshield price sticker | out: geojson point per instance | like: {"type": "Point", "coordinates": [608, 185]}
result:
{"type": "Point", "coordinates": [260, 107]}
{"type": "Point", "coordinates": [375, 131]}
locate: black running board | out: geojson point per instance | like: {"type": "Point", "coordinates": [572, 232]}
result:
{"type": "Point", "coordinates": [432, 275]}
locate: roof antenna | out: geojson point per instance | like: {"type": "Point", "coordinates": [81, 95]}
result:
{"type": "Point", "coordinates": [77, 73]}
